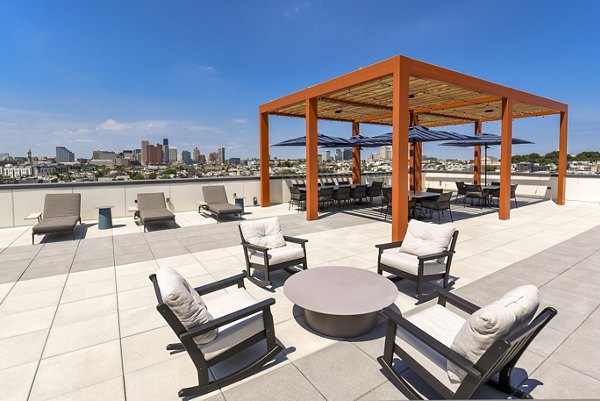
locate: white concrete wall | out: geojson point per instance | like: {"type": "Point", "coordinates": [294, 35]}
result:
{"type": "Point", "coordinates": [16, 202]}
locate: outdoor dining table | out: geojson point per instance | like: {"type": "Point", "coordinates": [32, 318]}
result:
{"type": "Point", "coordinates": [489, 189]}
{"type": "Point", "coordinates": [422, 194]}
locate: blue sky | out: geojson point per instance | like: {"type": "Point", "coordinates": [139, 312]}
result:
{"type": "Point", "coordinates": [104, 75]}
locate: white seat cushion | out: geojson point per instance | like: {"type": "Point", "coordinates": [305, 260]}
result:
{"type": "Point", "coordinates": [410, 263]}
{"type": "Point", "coordinates": [236, 332]}
{"type": "Point", "coordinates": [496, 320]}
{"type": "Point", "coordinates": [266, 233]}
{"type": "Point", "coordinates": [184, 301]}
{"type": "Point", "coordinates": [442, 324]}
{"type": "Point", "coordinates": [426, 238]}
{"type": "Point", "coordinates": [278, 255]}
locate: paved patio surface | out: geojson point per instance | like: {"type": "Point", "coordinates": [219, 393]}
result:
{"type": "Point", "coordinates": [78, 317]}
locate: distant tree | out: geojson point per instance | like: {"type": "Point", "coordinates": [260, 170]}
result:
{"type": "Point", "coordinates": [286, 171]}
{"type": "Point", "coordinates": [152, 175]}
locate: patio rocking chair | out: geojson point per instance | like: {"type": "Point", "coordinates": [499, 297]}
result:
{"type": "Point", "coordinates": [456, 354]}
{"type": "Point", "coordinates": [217, 330]}
{"type": "Point", "coordinates": [266, 250]}
{"type": "Point", "coordinates": [424, 255]}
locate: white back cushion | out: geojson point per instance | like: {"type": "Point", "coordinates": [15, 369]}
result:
{"type": "Point", "coordinates": [266, 232]}
{"type": "Point", "coordinates": [184, 301]}
{"type": "Point", "coordinates": [496, 320]}
{"type": "Point", "coordinates": [426, 238]}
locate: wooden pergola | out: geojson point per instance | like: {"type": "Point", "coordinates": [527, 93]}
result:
{"type": "Point", "coordinates": [401, 92]}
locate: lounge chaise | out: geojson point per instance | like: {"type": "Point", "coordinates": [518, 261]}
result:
{"type": "Point", "coordinates": [153, 208]}
{"type": "Point", "coordinates": [216, 202]}
{"type": "Point", "coordinates": [61, 214]}
{"type": "Point", "coordinates": [456, 353]}
{"type": "Point", "coordinates": [217, 330]}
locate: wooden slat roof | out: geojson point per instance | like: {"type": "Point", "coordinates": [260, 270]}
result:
{"type": "Point", "coordinates": [435, 103]}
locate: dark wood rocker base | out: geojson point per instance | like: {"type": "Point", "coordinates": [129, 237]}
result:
{"type": "Point", "coordinates": [264, 283]}
{"type": "Point", "coordinates": [232, 378]}
{"type": "Point", "coordinates": [410, 392]}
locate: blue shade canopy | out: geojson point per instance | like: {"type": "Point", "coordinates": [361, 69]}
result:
{"type": "Point", "coordinates": [416, 133]}
{"type": "Point", "coordinates": [322, 140]}
{"type": "Point", "coordinates": [484, 140]}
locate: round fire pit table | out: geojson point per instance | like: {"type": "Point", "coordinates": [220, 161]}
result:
{"type": "Point", "coordinates": [340, 301]}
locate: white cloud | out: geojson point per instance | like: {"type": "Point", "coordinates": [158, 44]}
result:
{"type": "Point", "coordinates": [240, 121]}
{"type": "Point", "coordinates": [206, 68]}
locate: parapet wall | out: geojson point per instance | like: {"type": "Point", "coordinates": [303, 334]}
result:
{"type": "Point", "coordinates": [18, 201]}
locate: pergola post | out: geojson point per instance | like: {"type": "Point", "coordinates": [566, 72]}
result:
{"type": "Point", "coordinates": [312, 160]}
{"type": "Point", "coordinates": [562, 159]}
{"type": "Point", "coordinates": [506, 159]}
{"type": "Point", "coordinates": [400, 121]}
{"type": "Point", "coordinates": [355, 155]}
{"type": "Point", "coordinates": [265, 185]}
{"type": "Point", "coordinates": [477, 157]}
{"type": "Point", "coordinates": [416, 159]}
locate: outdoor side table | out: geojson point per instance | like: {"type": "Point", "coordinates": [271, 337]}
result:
{"type": "Point", "coordinates": [340, 301]}
{"type": "Point", "coordinates": [104, 217]}
{"type": "Point", "coordinates": [239, 201]}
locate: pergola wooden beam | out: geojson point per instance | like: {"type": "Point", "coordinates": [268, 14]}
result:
{"type": "Point", "coordinates": [357, 104]}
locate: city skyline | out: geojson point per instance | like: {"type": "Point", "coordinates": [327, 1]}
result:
{"type": "Point", "coordinates": [96, 81]}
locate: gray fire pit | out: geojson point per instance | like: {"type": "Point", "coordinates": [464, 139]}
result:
{"type": "Point", "coordinates": [340, 301]}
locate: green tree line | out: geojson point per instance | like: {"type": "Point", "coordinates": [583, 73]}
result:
{"type": "Point", "coordinates": [552, 157]}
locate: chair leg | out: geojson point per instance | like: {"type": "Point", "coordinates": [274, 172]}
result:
{"type": "Point", "coordinates": [516, 203]}
{"type": "Point", "coordinates": [451, 218]}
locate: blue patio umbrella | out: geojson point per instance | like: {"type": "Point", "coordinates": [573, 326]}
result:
{"type": "Point", "coordinates": [416, 133]}
{"type": "Point", "coordinates": [485, 140]}
{"type": "Point", "coordinates": [322, 140]}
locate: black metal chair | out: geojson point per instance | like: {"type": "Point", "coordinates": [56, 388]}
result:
{"type": "Point", "coordinates": [240, 330]}
{"type": "Point", "coordinates": [374, 190]}
{"type": "Point", "coordinates": [418, 268]}
{"type": "Point", "coordinates": [358, 193]}
{"type": "Point", "coordinates": [476, 192]}
{"type": "Point", "coordinates": [440, 204]}
{"type": "Point", "coordinates": [513, 189]}
{"type": "Point", "coordinates": [265, 249]}
{"type": "Point", "coordinates": [424, 349]}
{"type": "Point", "coordinates": [342, 195]}
{"type": "Point", "coordinates": [461, 189]}
{"type": "Point", "coordinates": [296, 197]}
{"type": "Point", "coordinates": [386, 202]}
{"type": "Point", "coordinates": [325, 197]}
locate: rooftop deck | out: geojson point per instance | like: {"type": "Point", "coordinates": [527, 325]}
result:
{"type": "Point", "coordinates": [78, 318]}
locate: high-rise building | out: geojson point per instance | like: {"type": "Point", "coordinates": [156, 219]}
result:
{"type": "Point", "coordinates": [172, 155]}
{"type": "Point", "coordinates": [104, 155]}
{"type": "Point", "coordinates": [385, 153]}
{"type": "Point", "coordinates": [186, 157]}
{"type": "Point", "coordinates": [4, 156]}
{"type": "Point", "coordinates": [221, 156]}
{"type": "Point", "coordinates": [347, 154]}
{"type": "Point", "coordinates": [144, 150]}
{"type": "Point", "coordinates": [63, 155]}
{"type": "Point", "coordinates": [30, 158]}
{"type": "Point", "coordinates": [202, 159]}
{"type": "Point", "coordinates": [326, 155]}
{"type": "Point", "coordinates": [196, 154]}
{"type": "Point", "coordinates": [166, 151]}
{"type": "Point", "coordinates": [154, 154]}
{"type": "Point", "coordinates": [339, 156]}
{"type": "Point", "coordinates": [213, 157]}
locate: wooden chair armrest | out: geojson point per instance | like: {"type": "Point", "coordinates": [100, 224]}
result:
{"type": "Point", "coordinates": [389, 245]}
{"type": "Point", "coordinates": [224, 283]}
{"type": "Point", "coordinates": [461, 303]}
{"type": "Point", "coordinates": [258, 248]}
{"type": "Point", "coordinates": [432, 343]}
{"type": "Point", "coordinates": [295, 240]}
{"type": "Point", "coordinates": [229, 318]}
